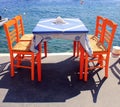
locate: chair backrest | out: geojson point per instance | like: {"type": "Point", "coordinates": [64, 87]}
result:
{"type": "Point", "coordinates": [11, 33]}
{"type": "Point", "coordinates": [108, 33]}
{"type": "Point", "coordinates": [20, 25]}
{"type": "Point", "coordinates": [99, 26]}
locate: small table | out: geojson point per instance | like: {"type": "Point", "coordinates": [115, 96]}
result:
{"type": "Point", "coordinates": [73, 29]}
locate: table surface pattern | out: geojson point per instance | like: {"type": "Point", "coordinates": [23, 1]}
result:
{"type": "Point", "coordinates": [72, 25]}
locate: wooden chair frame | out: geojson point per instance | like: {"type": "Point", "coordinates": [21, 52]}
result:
{"type": "Point", "coordinates": [20, 51]}
{"type": "Point", "coordinates": [92, 37]}
{"type": "Point", "coordinates": [101, 49]}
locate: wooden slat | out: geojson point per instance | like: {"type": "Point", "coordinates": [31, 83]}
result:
{"type": "Point", "coordinates": [100, 25]}
{"type": "Point", "coordinates": [13, 36]}
{"type": "Point", "coordinates": [99, 32]}
{"type": "Point", "coordinates": [12, 32]}
{"type": "Point", "coordinates": [22, 66]}
{"type": "Point", "coordinates": [107, 36]}
{"type": "Point", "coordinates": [19, 29]}
{"type": "Point", "coordinates": [93, 67]}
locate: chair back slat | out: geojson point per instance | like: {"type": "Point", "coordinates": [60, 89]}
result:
{"type": "Point", "coordinates": [99, 32]}
{"type": "Point", "coordinates": [20, 25]}
{"type": "Point", "coordinates": [99, 26]}
{"type": "Point", "coordinates": [20, 32]}
{"type": "Point", "coordinates": [13, 36]}
{"type": "Point", "coordinates": [108, 33]}
{"type": "Point", "coordinates": [11, 33]}
{"type": "Point", "coordinates": [107, 36]}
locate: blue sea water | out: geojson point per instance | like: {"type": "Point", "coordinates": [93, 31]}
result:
{"type": "Point", "coordinates": [33, 10]}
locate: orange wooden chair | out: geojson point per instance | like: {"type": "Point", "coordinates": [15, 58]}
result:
{"type": "Point", "coordinates": [98, 32]}
{"type": "Point", "coordinates": [20, 51]}
{"type": "Point", "coordinates": [23, 36]}
{"type": "Point", "coordinates": [92, 37]}
{"type": "Point", "coordinates": [101, 49]}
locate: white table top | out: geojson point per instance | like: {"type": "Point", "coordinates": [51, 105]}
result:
{"type": "Point", "coordinates": [71, 25]}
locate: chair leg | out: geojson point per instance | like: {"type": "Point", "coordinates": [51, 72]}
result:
{"type": "Point", "coordinates": [81, 62]}
{"type": "Point", "coordinates": [106, 66]}
{"type": "Point", "coordinates": [39, 63]}
{"type": "Point", "coordinates": [100, 60]}
{"type": "Point", "coordinates": [12, 68]}
{"type": "Point", "coordinates": [45, 48]}
{"type": "Point", "coordinates": [74, 48]}
{"type": "Point", "coordinates": [86, 68]}
{"type": "Point", "coordinates": [32, 68]}
{"type": "Point", "coordinates": [19, 60]}
{"type": "Point", "coordinates": [78, 46]}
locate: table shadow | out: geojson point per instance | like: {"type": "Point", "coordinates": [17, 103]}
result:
{"type": "Point", "coordinates": [60, 82]}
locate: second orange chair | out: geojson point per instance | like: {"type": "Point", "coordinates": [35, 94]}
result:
{"type": "Point", "coordinates": [20, 51]}
{"type": "Point", "coordinates": [101, 49]}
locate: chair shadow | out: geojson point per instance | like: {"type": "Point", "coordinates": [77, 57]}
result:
{"type": "Point", "coordinates": [4, 67]}
{"type": "Point", "coordinates": [115, 68]}
{"type": "Point", "coordinates": [60, 82]}
{"type": "Point", "coordinates": [97, 83]}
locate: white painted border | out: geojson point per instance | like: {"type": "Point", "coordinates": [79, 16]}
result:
{"type": "Point", "coordinates": [49, 54]}
{"type": "Point", "coordinates": [53, 54]}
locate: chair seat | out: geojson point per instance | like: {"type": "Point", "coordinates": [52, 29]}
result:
{"type": "Point", "coordinates": [96, 45]}
{"type": "Point", "coordinates": [27, 37]}
{"type": "Point", "coordinates": [93, 37]}
{"type": "Point", "coordinates": [22, 46]}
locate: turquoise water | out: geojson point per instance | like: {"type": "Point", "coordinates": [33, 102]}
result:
{"type": "Point", "coordinates": [33, 10]}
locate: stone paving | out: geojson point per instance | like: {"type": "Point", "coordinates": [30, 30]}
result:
{"type": "Point", "coordinates": [60, 85]}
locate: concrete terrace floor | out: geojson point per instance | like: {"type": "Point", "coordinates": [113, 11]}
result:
{"type": "Point", "coordinates": [60, 85]}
